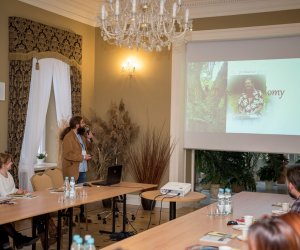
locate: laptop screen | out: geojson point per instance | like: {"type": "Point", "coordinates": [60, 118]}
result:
{"type": "Point", "coordinates": [113, 176]}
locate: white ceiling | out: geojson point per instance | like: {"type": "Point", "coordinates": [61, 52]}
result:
{"type": "Point", "coordinates": [86, 11]}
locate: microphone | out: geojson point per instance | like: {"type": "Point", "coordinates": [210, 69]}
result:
{"type": "Point", "coordinates": [87, 130]}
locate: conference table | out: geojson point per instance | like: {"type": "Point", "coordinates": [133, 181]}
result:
{"type": "Point", "coordinates": [47, 201]}
{"type": "Point", "coordinates": [186, 231]}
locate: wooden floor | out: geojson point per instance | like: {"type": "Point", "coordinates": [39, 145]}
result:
{"type": "Point", "coordinates": [138, 225]}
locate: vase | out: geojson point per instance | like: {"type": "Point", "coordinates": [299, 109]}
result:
{"type": "Point", "coordinates": [269, 185]}
{"type": "Point", "coordinates": [214, 190]}
{"type": "Point", "coordinates": [148, 204]}
{"type": "Point", "coordinates": [40, 161]}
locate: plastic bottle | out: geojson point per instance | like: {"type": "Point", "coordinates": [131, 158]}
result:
{"type": "Point", "coordinates": [86, 238]}
{"type": "Point", "coordinates": [67, 188]}
{"type": "Point", "coordinates": [90, 245]}
{"type": "Point", "coordinates": [228, 202]}
{"type": "Point", "coordinates": [221, 201]}
{"type": "Point", "coordinates": [74, 242]}
{"type": "Point", "coordinates": [79, 245]}
{"type": "Point", "coordinates": [72, 188]}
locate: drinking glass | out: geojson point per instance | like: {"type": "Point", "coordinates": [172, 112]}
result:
{"type": "Point", "coordinates": [212, 210]}
{"type": "Point", "coordinates": [61, 198]}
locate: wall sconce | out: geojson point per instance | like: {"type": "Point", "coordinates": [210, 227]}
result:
{"type": "Point", "coordinates": [129, 67]}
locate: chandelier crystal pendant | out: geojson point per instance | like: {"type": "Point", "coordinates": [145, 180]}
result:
{"type": "Point", "coordinates": [146, 24]}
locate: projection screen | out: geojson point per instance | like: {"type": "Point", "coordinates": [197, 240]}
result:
{"type": "Point", "coordinates": [243, 95]}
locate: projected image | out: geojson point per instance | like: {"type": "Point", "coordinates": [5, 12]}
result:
{"type": "Point", "coordinates": [246, 95]}
{"type": "Point", "coordinates": [262, 96]}
{"type": "Point", "coordinates": [250, 97]}
{"type": "Point", "coordinates": [206, 96]}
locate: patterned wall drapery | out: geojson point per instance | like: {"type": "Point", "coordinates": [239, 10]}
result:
{"type": "Point", "coordinates": [29, 39]}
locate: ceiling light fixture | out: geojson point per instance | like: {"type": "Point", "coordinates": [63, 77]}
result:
{"type": "Point", "coordinates": [146, 24]}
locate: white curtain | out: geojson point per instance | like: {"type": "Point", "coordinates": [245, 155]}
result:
{"type": "Point", "coordinates": [50, 70]}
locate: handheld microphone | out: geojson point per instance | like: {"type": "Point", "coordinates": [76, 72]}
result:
{"type": "Point", "coordinates": [87, 130]}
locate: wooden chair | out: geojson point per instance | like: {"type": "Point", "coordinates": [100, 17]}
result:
{"type": "Point", "coordinates": [41, 181]}
{"type": "Point", "coordinates": [56, 176]}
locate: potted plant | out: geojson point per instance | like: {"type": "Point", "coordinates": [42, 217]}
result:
{"type": "Point", "coordinates": [272, 170]}
{"type": "Point", "coordinates": [112, 138]}
{"type": "Point", "coordinates": [149, 158]}
{"type": "Point", "coordinates": [242, 171]}
{"type": "Point", "coordinates": [227, 169]}
{"type": "Point", "coordinates": [212, 165]}
{"type": "Point", "coordinates": [41, 157]}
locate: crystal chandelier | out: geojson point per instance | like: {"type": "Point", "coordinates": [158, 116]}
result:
{"type": "Point", "coordinates": [146, 24]}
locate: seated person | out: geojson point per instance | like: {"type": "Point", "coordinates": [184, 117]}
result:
{"type": "Point", "coordinates": [7, 186]}
{"type": "Point", "coordinates": [272, 233]}
{"type": "Point", "coordinates": [251, 101]}
{"type": "Point", "coordinates": [293, 183]}
{"type": "Point", "coordinates": [293, 219]}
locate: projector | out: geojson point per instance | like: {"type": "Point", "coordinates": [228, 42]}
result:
{"type": "Point", "coordinates": [176, 188]}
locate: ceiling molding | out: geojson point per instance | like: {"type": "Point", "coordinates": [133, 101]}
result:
{"type": "Point", "coordinates": [211, 8]}
{"type": "Point", "coordinates": [82, 11]}
{"type": "Point", "coordinates": [269, 31]}
{"type": "Point", "coordinates": [87, 11]}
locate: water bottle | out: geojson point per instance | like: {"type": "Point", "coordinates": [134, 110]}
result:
{"type": "Point", "coordinates": [228, 203]}
{"type": "Point", "coordinates": [86, 238]}
{"type": "Point", "coordinates": [72, 188]}
{"type": "Point", "coordinates": [79, 245]}
{"type": "Point", "coordinates": [67, 188]}
{"type": "Point", "coordinates": [221, 201]}
{"type": "Point", "coordinates": [90, 245]}
{"type": "Point", "coordinates": [74, 242]}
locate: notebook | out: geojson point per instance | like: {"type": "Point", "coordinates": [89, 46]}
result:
{"type": "Point", "coordinates": [114, 174]}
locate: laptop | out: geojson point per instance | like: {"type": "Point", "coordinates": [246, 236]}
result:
{"type": "Point", "coordinates": [114, 174]}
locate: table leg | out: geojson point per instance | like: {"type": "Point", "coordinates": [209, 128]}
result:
{"type": "Point", "coordinates": [70, 226]}
{"type": "Point", "coordinates": [114, 205]}
{"type": "Point", "coordinates": [33, 221]}
{"type": "Point", "coordinates": [46, 216]}
{"type": "Point", "coordinates": [114, 211]}
{"type": "Point", "coordinates": [124, 213]}
{"type": "Point", "coordinates": [172, 210]}
{"type": "Point", "coordinates": [59, 229]}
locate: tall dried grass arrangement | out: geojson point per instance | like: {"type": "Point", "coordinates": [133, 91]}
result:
{"type": "Point", "coordinates": [148, 159]}
{"type": "Point", "coordinates": [112, 138]}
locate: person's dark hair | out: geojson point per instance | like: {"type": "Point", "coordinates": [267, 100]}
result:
{"type": "Point", "coordinates": [75, 120]}
{"type": "Point", "coordinates": [272, 234]}
{"type": "Point", "coordinates": [4, 158]}
{"type": "Point", "coordinates": [293, 175]}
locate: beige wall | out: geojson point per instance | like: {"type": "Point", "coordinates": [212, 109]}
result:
{"type": "Point", "coordinates": [16, 8]}
{"type": "Point", "coordinates": [147, 94]}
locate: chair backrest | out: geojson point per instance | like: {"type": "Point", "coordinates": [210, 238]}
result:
{"type": "Point", "coordinates": [56, 176]}
{"type": "Point", "coordinates": [41, 181]}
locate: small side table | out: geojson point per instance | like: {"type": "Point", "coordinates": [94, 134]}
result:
{"type": "Point", "coordinates": [190, 197]}
{"type": "Point", "coordinates": [43, 166]}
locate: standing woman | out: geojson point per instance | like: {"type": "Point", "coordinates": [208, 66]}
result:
{"type": "Point", "coordinates": [7, 186]}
